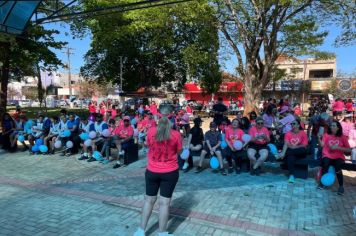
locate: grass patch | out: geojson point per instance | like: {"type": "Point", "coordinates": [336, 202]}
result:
{"type": "Point", "coordinates": [30, 112]}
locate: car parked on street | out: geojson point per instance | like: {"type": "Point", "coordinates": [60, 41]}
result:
{"type": "Point", "coordinates": [25, 103]}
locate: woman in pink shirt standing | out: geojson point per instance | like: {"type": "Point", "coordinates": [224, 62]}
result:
{"type": "Point", "coordinates": [334, 145]}
{"type": "Point", "coordinates": [153, 109]}
{"type": "Point", "coordinates": [162, 172]}
{"type": "Point", "coordinates": [338, 107]}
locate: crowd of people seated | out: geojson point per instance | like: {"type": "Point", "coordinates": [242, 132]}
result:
{"type": "Point", "coordinates": [244, 138]}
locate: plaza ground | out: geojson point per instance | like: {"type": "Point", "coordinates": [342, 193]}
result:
{"type": "Point", "coordinates": [53, 195]}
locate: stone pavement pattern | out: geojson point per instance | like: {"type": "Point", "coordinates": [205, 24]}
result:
{"type": "Point", "coordinates": [52, 195]}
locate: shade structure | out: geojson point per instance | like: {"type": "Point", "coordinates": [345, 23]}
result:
{"type": "Point", "coordinates": [15, 15]}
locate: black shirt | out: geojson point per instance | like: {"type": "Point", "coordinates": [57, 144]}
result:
{"type": "Point", "coordinates": [197, 135]}
{"type": "Point", "coordinates": [219, 109]}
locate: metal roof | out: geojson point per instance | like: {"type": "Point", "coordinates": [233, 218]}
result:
{"type": "Point", "coordinates": [15, 15]}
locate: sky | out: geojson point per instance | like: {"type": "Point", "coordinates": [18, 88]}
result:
{"type": "Point", "coordinates": [345, 56]}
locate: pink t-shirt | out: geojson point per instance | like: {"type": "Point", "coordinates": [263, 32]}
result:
{"type": "Point", "coordinates": [232, 135]}
{"type": "Point", "coordinates": [297, 111]}
{"type": "Point", "coordinates": [331, 140]}
{"type": "Point", "coordinates": [141, 125]}
{"type": "Point", "coordinates": [147, 123]}
{"type": "Point", "coordinates": [162, 156]}
{"type": "Point", "coordinates": [352, 138]}
{"type": "Point", "coordinates": [349, 106]}
{"type": "Point", "coordinates": [189, 110]}
{"type": "Point", "coordinates": [346, 127]}
{"type": "Point", "coordinates": [294, 139]}
{"type": "Point", "coordinates": [113, 113]}
{"type": "Point", "coordinates": [153, 109]}
{"type": "Point", "coordinates": [124, 132]}
{"type": "Point", "coordinates": [338, 106]}
{"type": "Point", "coordinates": [254, 132]}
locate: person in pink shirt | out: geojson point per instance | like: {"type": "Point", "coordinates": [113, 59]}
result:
{"type": "Point", "coordinates": [92, 108]}
{"type": "Point", "coordinates": [334, 145]}
{"type": "Point", "coordinates": [338, 107]}
{"type": "Point", "coordinates": [233, 134]}
{"type": "Point", "coordinates": [352, 142]}
{"type": "Point", "coordinates": [260, 136]}
{"type": "Point", "coordinates": [162, 173]}
{"type": "Point", "coordinates": [295, 144]}
{"type": "Point", "coordinates": [297, 110]}
{"type": "Point", "coordinates": [349, 106]}
{"type": "Point", "coordinates": [184, 122]}
{"type": "Point", "coordinates": [113, 112]}
{"type": "Point", "coordinates": [189, 109]}
{"type": "Point", "coordinates": [153, 109]}
{"type": "Point", "coordinates": [347, 125]}
{"type": "Point", "coordinates": [149, 121]}
{"type": "Point", "coordinates": [124, 140]}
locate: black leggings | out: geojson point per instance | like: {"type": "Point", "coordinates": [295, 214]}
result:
{"type": "Point", "coordinates": [165, 182]}
{"type": "Point", "coordinates": [237, 156]}
{"type": "Point", "coordinates": [337, 163]}
{"type": "Point", "coordinates": [292, 155]}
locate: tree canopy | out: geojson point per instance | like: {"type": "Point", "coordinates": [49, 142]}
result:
{"type": "Point", "coordinates": [158, 45]}
{"type": "Point", "coordinates": [25, 55]}
{"type": "Point", "coordinates": [259, 31]}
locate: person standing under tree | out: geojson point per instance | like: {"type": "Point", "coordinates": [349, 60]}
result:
{"type": "Point", "coordinates": [162, 172]}
{"type": "Point", "coordinates": [219, 109]}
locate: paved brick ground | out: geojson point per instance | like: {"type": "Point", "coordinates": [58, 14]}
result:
{"type": "Point", "coordinates": [52, 195]}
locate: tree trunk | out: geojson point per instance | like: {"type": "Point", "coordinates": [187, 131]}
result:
{"type": "Point", "coordinates": [252, 95]}
{"type": "Point", "coordinates": [4, 76]}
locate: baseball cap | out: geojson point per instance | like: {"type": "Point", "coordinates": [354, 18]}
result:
{"type": "Point", "coordinates": [126, 118]}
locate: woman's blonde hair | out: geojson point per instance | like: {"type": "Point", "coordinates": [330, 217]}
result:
{"type": "Point", "coordinates": [163, 131]}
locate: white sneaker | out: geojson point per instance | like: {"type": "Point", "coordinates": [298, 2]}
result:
{"type": "Point", "coordinates": [139, 232]}
{"type": "Point", "coordinates": [185, 166]}
{"type": "Point", "coordinates": [121, 153]}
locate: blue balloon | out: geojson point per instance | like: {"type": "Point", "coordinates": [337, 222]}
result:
{"type": "Point", "coordinates": [66, 133]}
{"type": "Point", "coordinates": [39, 142]}
{"type": "Point", "coordinates": [35, 148]}
{"type": "Point", "coordinates": [21, 138]}
{"type": "Point", "coordinates": [84, 136]}
{"type": "Point", "coordinates": [133, 121]}
{"type": "Point", "coordinates": [43, 148]}
{"type": "Point", "coordinates": [214, 162]}
{"type": "Point", "coordinates": [273, 148]}
{"type": "Point", "coordinates": [328, 179]}
{"type": "Point", "coordinates": [97, 155]}
{"type": "Point", "coordinates": [331, 170]}
{"type": "Point", "coordinates": [223, 141]}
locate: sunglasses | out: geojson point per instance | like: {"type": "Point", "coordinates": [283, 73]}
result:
{"type": "Point", "coordinates": [294, 123]}
{"type": "Point", "coordinates": [333, 125]}
{"type": "Point", "coordinates": [259, 123]}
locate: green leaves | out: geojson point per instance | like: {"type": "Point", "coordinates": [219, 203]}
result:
{"type": "Point", "coordinates": [160, 44]}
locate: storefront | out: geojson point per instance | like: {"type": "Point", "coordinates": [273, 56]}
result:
{"type": "Point", "coordinates": [229, 91]}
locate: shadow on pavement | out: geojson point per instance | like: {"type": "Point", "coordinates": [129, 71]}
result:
{"type": "Point", "coordinates": [174, 222]}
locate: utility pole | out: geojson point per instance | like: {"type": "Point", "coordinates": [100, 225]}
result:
{"type": "Point", "coordinates": [69, 52]}
{"type": "Point", "coordinates": [121, 73]}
